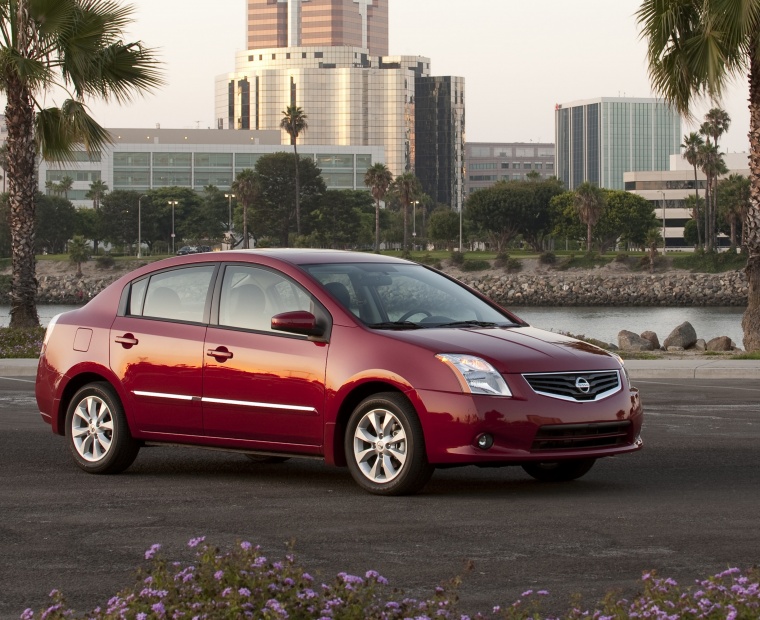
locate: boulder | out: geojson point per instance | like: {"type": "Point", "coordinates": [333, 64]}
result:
{"type": "Point", "coordinates": [721, 343]}
{"type": "Point", "coordinates": [683, 336]}
{"type": "Point", "coordinates": [652, 337]}
{"type": "Point", "coordinates": [631, 341]}
{"type": "Point", "coordinates": [700, 345]}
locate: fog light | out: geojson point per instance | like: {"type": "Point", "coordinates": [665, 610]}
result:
{"type": "Point", "coordinates": [484, 441]}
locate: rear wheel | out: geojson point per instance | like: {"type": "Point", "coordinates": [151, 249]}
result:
{"type": "Point", "coordinates": [385, 447]}
{"type": "Point", "coordinates": [559, 471]}
{"type": "Point", "coordinates": [97, 430]}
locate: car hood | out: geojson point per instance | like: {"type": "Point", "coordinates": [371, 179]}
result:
{"type": "Point", "coordinates": [513, 349]}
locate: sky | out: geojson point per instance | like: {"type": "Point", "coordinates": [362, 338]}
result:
{"type": "Point", "coordinates": [519, 58]}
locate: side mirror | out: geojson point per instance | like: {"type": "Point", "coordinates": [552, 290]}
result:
{"type": "Point", "coordinates": [297, 322]}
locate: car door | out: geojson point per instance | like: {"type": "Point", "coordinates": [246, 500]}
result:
{"type": "Point", "coordinates": [262, 389]}
{"type": "Point", "coordinates": [156, 349]}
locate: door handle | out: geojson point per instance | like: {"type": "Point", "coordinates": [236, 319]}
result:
{"type": "Point", "coordinates": [219, 354]}
{"type": "Point", "coordinates": [127, 340]}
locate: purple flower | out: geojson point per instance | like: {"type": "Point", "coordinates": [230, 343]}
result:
{"type": "Point", "coordinates": [152, 551]}
{"type": "Point", "coordinates": [141, 616]}
{"type": "Point", "coordinates": [244, 592]}
{"type": "Point", "coordinates": [218, 575]}
{"type": "Point", "coordinates": [159, 609]}
{"type": "Point", "coordinates": [245, 545]}
{"type": "Point", "coordinates": [194, 542]}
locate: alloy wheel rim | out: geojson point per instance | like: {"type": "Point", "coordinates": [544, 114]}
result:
{"type": "Point", "coordinates": [92, 429]}
{"type": "Point", "coordinates": [380, 446]}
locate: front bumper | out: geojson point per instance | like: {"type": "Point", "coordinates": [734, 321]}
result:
{"type": "Point", "coordinates": [528, 427]}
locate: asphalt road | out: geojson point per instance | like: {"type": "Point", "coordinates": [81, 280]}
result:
{"type": "Point", "coordinates": [687, 505]}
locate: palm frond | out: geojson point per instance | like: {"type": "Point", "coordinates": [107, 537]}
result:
{"type": "Point", "coordinates": [59, 130]}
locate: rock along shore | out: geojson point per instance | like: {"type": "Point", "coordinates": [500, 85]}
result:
{"type": "Point", "coordinates": [613, 289]}
{"type": "Point", "coordinates": [597, 287]}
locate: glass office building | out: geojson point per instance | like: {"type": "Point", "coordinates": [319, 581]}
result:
{"type": "Point", "coordinates": [143, 159]}
{"type": "Point", "coordinates": [319, 23]}
{"type": "Point", "coordinates": [439, 118]}
{"type": "Point", "coordinates": [598, 140]}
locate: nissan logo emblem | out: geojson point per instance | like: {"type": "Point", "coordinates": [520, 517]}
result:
{"type": "Point", "coordinates": [582, 385]}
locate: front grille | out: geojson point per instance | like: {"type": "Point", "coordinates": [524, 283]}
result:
{"type": "Point", "coordinates": [577, 386]}
{"type": "Point", "coordinates": [582, 436]}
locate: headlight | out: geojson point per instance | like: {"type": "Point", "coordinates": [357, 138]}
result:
{"type": "Point", "coordinates": [475, 375]}
{"type": "Point", "coordinates": [624, 369]}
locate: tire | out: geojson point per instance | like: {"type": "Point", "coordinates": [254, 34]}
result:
{"type": "Point", "coordinates": [97, 431]}
{"type": "Point", "coordinates": [264, 459]}
{"type": "Point", "coordinates": [559, 471]}
{"type": "Point", "coordinates": [382, 467]}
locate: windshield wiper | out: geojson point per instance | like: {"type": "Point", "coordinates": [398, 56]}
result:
{"type": "Point", "coordinates": [473, 324]}
{"type": "Point", "coordinates": [394, 325]}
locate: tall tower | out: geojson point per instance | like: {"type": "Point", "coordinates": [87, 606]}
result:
{"type": "Point", "coordinates": [323, 23]}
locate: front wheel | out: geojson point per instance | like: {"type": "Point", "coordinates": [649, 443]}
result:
{"type": "Point", "coordinates": [99, 438]}
{"type": "Point", "coordinates": [559, 471]}
{"type": "Point", "coordinates": [385, 447]}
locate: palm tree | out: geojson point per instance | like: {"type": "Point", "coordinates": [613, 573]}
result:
{"type": "Point", "coordinates": [407, 186]}
{"type": "Point", "coordinates": [712, 164]}
{"type": "Point", "coordinates": [294, 122]}
{"type": "Point", "coordinates": [697, 48]}
{"type": "Point", "coordinates": [378, 178]}
{"type": "Point", "coordinates": [589, 202]}
{"type": "Point", "coordinates": [65, 184]}
{"type": "Point", "coordinates": [79, 252]}
{"type": "Point", "coordinates": [734, 195]}
{"type": "Point", "coordinates": [96, 192]}
{"type": "Point", "coordinates": [691, 145]}
{"type": "Point", "coordinates": [76, 45]}
{"type": "Point", "coordinates": [245, 189]}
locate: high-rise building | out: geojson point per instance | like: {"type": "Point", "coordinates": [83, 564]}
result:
{"type": "Point", "coordinates": [322, 23]}
{"type": "Point", "coordinates": [598, 140]}
{"type": "Point", "coordinates": [489, 162]}
{"type": "Point", "coordinates": [329, 57]}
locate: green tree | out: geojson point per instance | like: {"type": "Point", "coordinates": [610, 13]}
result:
{"type": "Point", "coordinates": [87, 223]}
{"type": "Point", "coordinates": [76, 45]}
{"type": "Point", "coordinates": [157, 214]}
{"type": "Point", "coordinates": [733, 203]}
{"type": "Point", "coordinates": [443, 227]}
{"type": "Point", "coordinates": [589, 203]}
{"type": "Point", "coordinates": [337, 220]}
{"type": "Point", "coordinates": [691, 145]}
{"type": "Point", "coordinates": [697, 48]}
{"type": "Point", "coordinates": [537, 221]}
{"type": "Point", "coordinates": [274, 208]}
{"type": "Point", "coordinates": [246, 191]}
{"type": "Point", "coordinates": [407, 188]}
{"type": "Point", "coordinates": [378, 178]}
{"type": "Point", "coordinates": [55, 223]}
{"type": "Point", "coordinates": [79, 252]}
{"type": "Point", "coordinates": [294, 123]}
{"type": "Point", "coordinates": [498, 212]}
{"type": "Point", "coordinates": [118, 221]}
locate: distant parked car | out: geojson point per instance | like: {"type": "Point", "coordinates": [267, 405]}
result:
{"type": "Point", "coordinates": [187, 249]}
{"type": "Point", "coordinates": [379, 364]}
{"type": "Point", "coordinates": [203, 248]}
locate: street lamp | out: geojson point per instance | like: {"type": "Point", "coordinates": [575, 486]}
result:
{"type": "Point", "coordinates": [664, 244]}
{"type": "Point", "coordinates": [229, 198]}
{"type": "Point", "coordinates": [414, 222]}
{"type": "Point", "coordinates": [173, 203]}
{"type": "Point", "coordinates": [139, 226]}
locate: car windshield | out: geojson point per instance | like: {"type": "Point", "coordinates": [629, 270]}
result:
{"type": "Point", "coordinates": [398, 296]}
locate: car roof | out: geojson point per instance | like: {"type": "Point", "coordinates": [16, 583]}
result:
{"type": "Point", "coordinates": [307, 256]}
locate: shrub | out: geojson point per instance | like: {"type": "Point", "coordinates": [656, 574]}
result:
{"type": "Point", "coordinates": [502, 258]}
{"type": "Point", "coordinates": [547, 258]}
{"type": "Point", "coordinates": [22, 342]}
{"type": "Point", "coordinates": [106, 261]}
{"type": "Point", "coordinates": [476, 265]}
{"type": "Point", "coordinates": [457, 258]}
{"type": "Point", "coordinates": [621, 257]}
{"type": "Point", "coordinates": [513, 265]}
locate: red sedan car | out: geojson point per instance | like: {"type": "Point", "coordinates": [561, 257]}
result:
{"type": "Point", "coordinates": [379, 364]}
